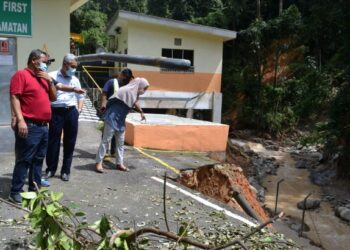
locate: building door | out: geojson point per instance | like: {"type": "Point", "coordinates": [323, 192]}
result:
{"type": "Point", "coordinates": [8, 66]}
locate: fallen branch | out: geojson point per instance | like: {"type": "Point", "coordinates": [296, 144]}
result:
{"type": "Point", "coordinates": [164, 203]}
{"type": "Point", "coordinates": [242, 245]}
{"type": "Point", "coordinates": [66, 230]}
{"type": "Point", "coordinates": [255, 230]}
{"type": "Point", "coordinates": [169, 235]}
{"type": "Point", "coordinates": [14, 205]}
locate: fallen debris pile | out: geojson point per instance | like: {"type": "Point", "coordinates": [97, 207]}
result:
{"type": "Point", "coordinates": [217, 181]}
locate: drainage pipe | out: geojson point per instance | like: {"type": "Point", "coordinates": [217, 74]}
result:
{"type": "Point", "coordinates": [244, 204]}
{"type": "Point", "coordinates": [162, 62]}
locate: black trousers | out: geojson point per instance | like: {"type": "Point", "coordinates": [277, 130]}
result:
{"type": "Point", "coordinates": [63, 120]}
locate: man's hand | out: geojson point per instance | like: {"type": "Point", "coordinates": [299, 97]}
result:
{"type": "Point", "coordinates": [22, 129]}
{"type": "Point", "coordinates": [13, 122]}
{"type": "Point", "coordinates": [79, 90]}
{"type": "Point", "coordinates": [44, 75]}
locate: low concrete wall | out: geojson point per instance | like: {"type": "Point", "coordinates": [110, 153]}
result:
{"type": "Point", "coordinates": [168, 132]}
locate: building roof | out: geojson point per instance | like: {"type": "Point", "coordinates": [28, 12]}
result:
{"type": "Point", "coordinates": [76, 4]}
{"type": "Point", "coordinates": [123, 16]}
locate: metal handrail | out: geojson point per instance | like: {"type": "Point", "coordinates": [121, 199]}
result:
{"type": "Point", "coordinates": [92, 79]}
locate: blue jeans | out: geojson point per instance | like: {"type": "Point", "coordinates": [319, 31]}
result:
{"type": "Point", "coordinates": [66, 120]}
{"type": "Point", "coordinates": [30, 153]}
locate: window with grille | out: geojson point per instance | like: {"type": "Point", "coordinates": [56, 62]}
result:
{"type": "Point", "coordinates": [179, 54]}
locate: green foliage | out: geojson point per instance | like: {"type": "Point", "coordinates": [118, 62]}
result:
{"type": "Point", "coordinates": [57, 227]}
{"type": "Point", "coordinates": [158, 8]}
{"type": "Point", "coordinates": [305, 91]}
{"type": "Point", "coordinates": [92, 25]}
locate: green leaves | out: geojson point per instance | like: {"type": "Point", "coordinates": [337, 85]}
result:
{"type": "Point", "coordinates": [56, 196]}
{"type": "Point", "coordinates": [104, 226]}
{"type": "Point", "coordinates": [29, 195]}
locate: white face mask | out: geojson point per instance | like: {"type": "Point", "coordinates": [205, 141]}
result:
{"type": "Point", "coordinates": [71, 71]}
{"type": "Point", "coordinates": [43, 67]}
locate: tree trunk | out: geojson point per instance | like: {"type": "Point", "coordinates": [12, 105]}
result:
{"type": "Point", "coordinates": [280, 9]}
{"type": "Point", "coordinates": [277, 57]}
{"type": "Point", "coordinates": [258, 9]}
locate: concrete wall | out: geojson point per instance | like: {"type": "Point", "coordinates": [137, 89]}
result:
{"type": "Point", "coordinates": [122, 40]}
{"type": "Point", "coordinates": [50, 27]}
{"type": "Point", "coordinates": [149, 40]}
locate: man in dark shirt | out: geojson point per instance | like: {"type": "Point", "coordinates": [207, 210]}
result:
{"type": "Point", "coordinates": [31, 91]}
{"type": "Point", "coordinates": [110, 88]}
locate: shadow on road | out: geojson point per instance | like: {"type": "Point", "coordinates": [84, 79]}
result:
{"type": "Point", "coordinates": [85, 154]}
{"type": "Point", "coordinates": [5, 187]}
{"type": "Point", "coordinates": [86, 167]}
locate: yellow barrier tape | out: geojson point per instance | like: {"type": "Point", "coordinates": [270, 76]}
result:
{"type": "Point", "coordinates": [175, 170]}
{"type": "Point", "coordinates": [174, 151]}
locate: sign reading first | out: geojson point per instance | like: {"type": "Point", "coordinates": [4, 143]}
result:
{"type": "Point", "coordinates": [16, 17]}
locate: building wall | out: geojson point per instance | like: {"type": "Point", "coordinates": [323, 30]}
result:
{"type": "Point", "coordinates": [50, 27]}
{"type": "Point", "coordinates": [149, 40]}
{"type": "Point", "coordinates": [122, 40]}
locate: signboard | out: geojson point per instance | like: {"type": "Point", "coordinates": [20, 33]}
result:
{"type": "Point", "coordinates": [16, 17]}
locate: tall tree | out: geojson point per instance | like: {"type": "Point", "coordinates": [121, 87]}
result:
{"type": "Point", "coordinates": [158, 8]}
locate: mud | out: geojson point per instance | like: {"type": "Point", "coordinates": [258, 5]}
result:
{"type": "Point", "coordinates": [217, 180]}
{"type": "Point", "coordinates": [325, 229]}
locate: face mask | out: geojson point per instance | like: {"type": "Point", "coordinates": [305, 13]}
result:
{"type": "Point", "coordinates": [71, 71]}
{"type": "Point", "coordinates": [43, 67]}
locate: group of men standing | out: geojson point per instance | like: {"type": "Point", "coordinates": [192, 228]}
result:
{"type": "Point", "coordinates": [43, 106]}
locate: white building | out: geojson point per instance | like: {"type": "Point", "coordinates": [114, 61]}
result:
{"type": "Point", "coordinates": [200, 88]}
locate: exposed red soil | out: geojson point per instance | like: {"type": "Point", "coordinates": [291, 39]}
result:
{"type": "Point", "coordinates": [217, 180]}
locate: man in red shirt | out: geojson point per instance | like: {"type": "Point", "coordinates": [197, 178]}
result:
{"type": "Point", "coordinates": [31, 91]}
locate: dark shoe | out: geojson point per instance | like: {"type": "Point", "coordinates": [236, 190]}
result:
{"type": "Point", "coordinates": [65, 177]}
{"type": "Point", "coordinates": [15, 198]}
{"type": "Point", "coordinates": [49, 174]}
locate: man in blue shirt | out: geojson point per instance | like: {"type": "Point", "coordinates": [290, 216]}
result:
{"type": "Point", "coordinates": [111, 87]}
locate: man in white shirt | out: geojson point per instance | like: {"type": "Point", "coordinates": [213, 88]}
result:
{"type": "Point", "coordinates": [65, 115]}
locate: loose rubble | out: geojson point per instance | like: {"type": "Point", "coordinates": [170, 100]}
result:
{"type": "Point", "coordinates": [309, 204]}
{"type": "Point", "coordinates": [343, 213]}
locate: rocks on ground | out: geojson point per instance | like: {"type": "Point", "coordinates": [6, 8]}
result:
{"type": "Point", "coordinates": [309, 204]}
{"type": "Point", "coordinates": [343, 212]}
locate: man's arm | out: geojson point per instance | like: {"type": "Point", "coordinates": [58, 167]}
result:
{"type": "Point", "coordinates": [66, 88]}
{"type": "Point", "coordinates": [16, 109]}
{"type": "Point", "coordinates": [52, 88]}
{"type": "Point", "coordinates": [80, 105]}
{"type": "Point", "coordinates": [13, 117]}
{"type": "Point", "coordinates": [52, 92]}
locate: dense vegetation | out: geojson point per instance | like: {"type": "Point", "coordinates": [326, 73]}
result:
{"type": "Point", "coordinates": [287, 69]}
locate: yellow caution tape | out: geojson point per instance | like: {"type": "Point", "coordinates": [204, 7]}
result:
{"type": "Point", "coordinates": [173, 151]}
{"type": "Point", "coordinates": [175, 170]}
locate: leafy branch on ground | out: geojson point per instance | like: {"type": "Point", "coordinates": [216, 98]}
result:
{"type": "Point", "coordinates": [57, 227]}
